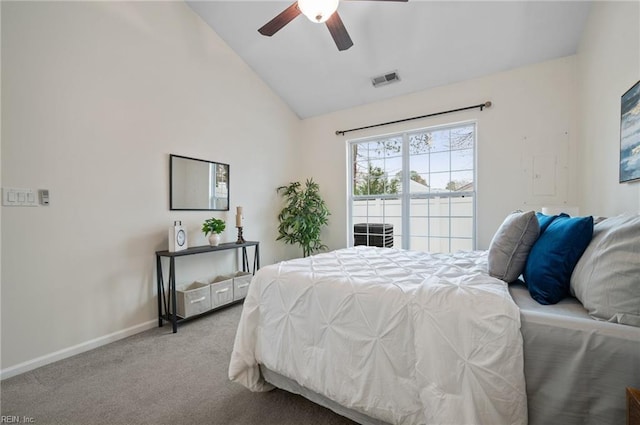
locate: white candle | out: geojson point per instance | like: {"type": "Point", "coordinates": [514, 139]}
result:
{"type": "Point", "coordinates": [238, 216]}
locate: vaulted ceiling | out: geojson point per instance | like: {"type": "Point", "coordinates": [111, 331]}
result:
{"type": "Point", "coordinates": [428, 43]}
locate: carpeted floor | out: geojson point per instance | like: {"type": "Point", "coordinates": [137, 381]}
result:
{"type": "Point", "coordinates": [156, 377]}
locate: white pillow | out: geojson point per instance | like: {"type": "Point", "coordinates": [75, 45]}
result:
{"type": "Point", "coordinates": [511, 244]}
{"type": "Point", "coordinates": [607, 277]}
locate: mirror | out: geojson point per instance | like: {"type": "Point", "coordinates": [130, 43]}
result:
{"type": "Point", "coordinates": [196, 184]}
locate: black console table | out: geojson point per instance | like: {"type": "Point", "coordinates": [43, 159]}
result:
{"type": "Point", "coordinates": [170, 301]}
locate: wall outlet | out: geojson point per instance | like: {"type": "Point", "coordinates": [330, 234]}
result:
{"type": "Point", "coordinates": [44, 196]}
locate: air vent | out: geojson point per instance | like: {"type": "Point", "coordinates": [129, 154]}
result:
{"type": "Point", "coordinates": [388, 78]}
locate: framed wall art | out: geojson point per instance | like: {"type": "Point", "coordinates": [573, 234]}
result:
{"type": "Point", "coordinates": [630, 135]}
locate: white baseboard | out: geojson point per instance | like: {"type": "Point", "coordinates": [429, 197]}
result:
{"type": "Point", "coordinates": [76, 349]}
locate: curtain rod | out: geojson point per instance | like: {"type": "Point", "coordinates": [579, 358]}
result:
{"type": "Point", "coordinates": [481, 106]}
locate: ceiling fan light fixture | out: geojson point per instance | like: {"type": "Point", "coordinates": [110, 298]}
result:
{"type": "Point", "coordinates": [318, 10]}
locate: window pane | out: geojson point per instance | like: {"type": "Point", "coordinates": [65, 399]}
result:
{"type": "Point", "coordinates": [461, 181]}
{"type": "Point", "coordinates": [419, 226]}
{"type": "Point", "coordinates": [419, 163]}
{"type": "Point", "coordinates": [461, 227]}
{"type": "Point", "coordinates": [418, 208]}
{"type": "Point", "coordinates": [420, 143]}
{"type": "Point", "coordinates": [439, 207]}
{"type": "Point", "coordinates": [462, 206]}
{"type": "Point", "coordinates": [462, 137]}
{"type": "Point", "coordinates": [418, 183]}
{"type": "Point", "coordinates": [439, 227]}
{"type": "Point", "coordinates": [438, 182]}
{"type": "Point", "coordinates": [439, 162]}
{"type": "Point", "coordinates": [462, 160]}
{"type": "Point", "coordinates": [440, 141]}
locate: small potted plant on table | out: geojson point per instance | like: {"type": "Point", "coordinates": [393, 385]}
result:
{"type": "Point", "coordinates": [213, 227]}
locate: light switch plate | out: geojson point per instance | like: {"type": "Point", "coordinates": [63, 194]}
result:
{"type": "Point", "coordinates": [15, 197]}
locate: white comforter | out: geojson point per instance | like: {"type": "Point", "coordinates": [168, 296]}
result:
{"type": "Point", "coordinates": [405, 337]}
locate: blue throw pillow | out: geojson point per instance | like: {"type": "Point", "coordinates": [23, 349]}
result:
{"type": "Point", "coordinates": [545, 220]}
{"type": "Point", "coordinates": [554, 256]}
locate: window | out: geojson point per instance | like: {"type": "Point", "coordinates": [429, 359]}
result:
{"type": "Point", "coordinates": [420, 182]}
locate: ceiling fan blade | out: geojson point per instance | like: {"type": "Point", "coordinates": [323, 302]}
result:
{"type": "Point", "coordinates": [276, 24]}
{"type": "Point", "coordinates": [339, 32]}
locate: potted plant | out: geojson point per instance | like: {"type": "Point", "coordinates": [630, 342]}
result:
{"type": "Point", "coordinates": [303, 216]}
{"type": "Point", "coordinates": [213, 227]}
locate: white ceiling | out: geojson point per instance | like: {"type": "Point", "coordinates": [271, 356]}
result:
{"type": "Point", "coordinates": [429, 43]}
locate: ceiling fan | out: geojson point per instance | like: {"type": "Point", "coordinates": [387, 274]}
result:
{"type": "Point", "coordinates": [318, 11]}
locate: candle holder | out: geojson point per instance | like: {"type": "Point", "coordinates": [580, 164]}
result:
{"type": "Point", "coordinates": [240, 238]}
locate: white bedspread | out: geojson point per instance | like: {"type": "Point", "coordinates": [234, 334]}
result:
{"type": "Point", "coordinates": [405, 337]}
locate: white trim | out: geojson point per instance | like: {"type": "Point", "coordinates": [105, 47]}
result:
{"type": "Point", "coordinates": [76, 349]}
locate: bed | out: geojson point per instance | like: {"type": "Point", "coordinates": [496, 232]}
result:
{"type": "Point", "coordinates": [388, 336]}
{"type": "Point", "coordinates": [582, 379]}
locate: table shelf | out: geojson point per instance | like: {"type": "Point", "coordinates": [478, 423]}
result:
{"type": "Point", "coordinates": [167, 303]}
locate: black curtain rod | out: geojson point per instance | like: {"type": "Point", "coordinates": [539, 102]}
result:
{"type": "Point", "coordinates": [481, 106]}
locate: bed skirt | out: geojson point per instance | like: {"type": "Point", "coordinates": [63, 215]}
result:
{"type": "Point", "coordinates": [292, 386]}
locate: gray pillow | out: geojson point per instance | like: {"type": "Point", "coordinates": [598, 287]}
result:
{"type": "Point", "coordinates": [606, 279]}
{"type": "Point", "coordinates": [511, 244]}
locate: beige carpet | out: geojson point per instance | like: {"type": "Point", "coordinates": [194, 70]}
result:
{"type": "Point", "coordinates": [156, 377]}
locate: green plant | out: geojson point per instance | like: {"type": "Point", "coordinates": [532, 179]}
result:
{"type": "Point", "coordinates": [303, 216]}
{"type": "Point", "coordinates": [213, 225]}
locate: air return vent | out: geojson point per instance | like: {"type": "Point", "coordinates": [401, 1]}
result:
{"type": "Point", "coordinates": [388, 78]}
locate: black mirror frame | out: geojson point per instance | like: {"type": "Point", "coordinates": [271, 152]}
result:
{"type": "Point", "coordinates": [171, 206]}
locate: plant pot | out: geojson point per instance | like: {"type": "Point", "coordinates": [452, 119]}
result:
{"type": "Point", "coordinates": [214, 239]}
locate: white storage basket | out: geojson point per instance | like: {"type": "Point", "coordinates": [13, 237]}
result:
{"type": "Point", "coordinates": [241, 281]}
{"type": "Point", "coordinates": [193, 299]}
{"type": "Point", "coordinates": [221, 290]}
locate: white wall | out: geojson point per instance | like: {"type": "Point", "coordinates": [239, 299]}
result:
{"type": "Point", "coordinates": [609, 64]}
{"type": "Point", "coordinates": [533, 116]}
{"type": "Point", "coordinates": [96, 95]}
